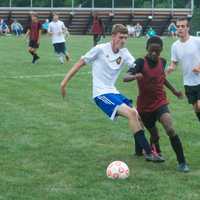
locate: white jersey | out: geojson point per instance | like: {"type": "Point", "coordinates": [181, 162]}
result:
{"type": "Point", "coordinates": [187, 54]}
{"type": "Point", "coordinates": [57, 28]}
{"type": "Point", "coordinates": [106, 67]}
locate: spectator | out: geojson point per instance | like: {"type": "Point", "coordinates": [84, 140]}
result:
{"type": "Point", "coordinates": [97, 29]}
{"type": "Point", "coordinates": [131, 30]}
{"type": "Point", "coordinates": [3, 27]}
{"type": "Point", "coordinates": [16, 28]}
{"type": "Point", "coordinates": [151, 32]}
{"type": "Point", "coordinates": [172, 30]}
{"type": "Point", "coordinates": [138, 30]}
{"type": "Point", "coordinates": [45, 26]}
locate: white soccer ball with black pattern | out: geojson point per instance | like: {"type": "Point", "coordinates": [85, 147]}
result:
{"type": "Point", "coordinates": [117, 170]}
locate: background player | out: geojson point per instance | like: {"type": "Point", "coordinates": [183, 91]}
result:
{"type": "Point", "coordinates": [57, 30]}
{"type": "Point", "coordinates": [186, 52]}
{"type": "Point", "coordinates": [34, 33]}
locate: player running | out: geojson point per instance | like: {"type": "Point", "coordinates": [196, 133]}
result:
{"type": "Point", "coordinates": [34, 33]}
{"type": "Point", "coordinates": [186, 52]}
{"type": "Point", "coordinates": [57, 30]}
{"type": "Point", "coordinates": [152, 103]}
{"type": "Point", "coordinates": [107, 61]}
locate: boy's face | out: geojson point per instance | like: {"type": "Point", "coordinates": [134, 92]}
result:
{"type": "Point", "coordinates": [33, 18]}
{"type": "Point", "coordinates": [182, 28]}
{"type": "Point", "coordinates": [119, 40]}
{"type": "Point", "coordinates": [55, 17]}
{"type": "Point", "coordinates": [154, 51]}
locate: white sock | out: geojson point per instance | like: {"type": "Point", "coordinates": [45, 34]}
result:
{"type": "Point", "coordinates": [60, 57]}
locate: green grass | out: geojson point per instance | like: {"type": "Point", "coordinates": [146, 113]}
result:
{"type": "Point", "coordinates": [52, 149]}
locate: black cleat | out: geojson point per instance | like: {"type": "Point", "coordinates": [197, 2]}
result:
{"type": "Point", "coordinates": [183, 167]}
{"type": "Point", "coordinates": [35, 58]}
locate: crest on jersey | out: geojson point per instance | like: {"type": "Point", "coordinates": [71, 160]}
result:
{"type": "Point", "coordinates": [119, 59]}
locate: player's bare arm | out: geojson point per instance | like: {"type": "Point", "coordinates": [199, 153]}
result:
{"type": "Point", "coordinates": [171, 68]}
{"type": "Point", "coordinates": [130, 77]}
{"type": "Point", "coordinates": [27, 33]}
{"type": "Point", "coordinates": [196, 69]}
{"type": "Point", "coordinates": [177, 93]}
{"type": "Point", "coordinates": [40, 33]}
{"type": "Point", "coordinates": [69, 75]}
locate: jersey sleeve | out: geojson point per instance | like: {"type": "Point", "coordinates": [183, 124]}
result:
{"type": "Point", "coordinates": [138, 66]}
{"type": "Point", "coordinates": [174, 57]}
{"type": "Point", "coordinates": [129, 59]}
{"type": "Point", "coordinates": [91, 55]}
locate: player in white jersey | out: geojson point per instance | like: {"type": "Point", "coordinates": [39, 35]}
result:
{"type": "Point", "coordinates": [57, 30]}
{"type": "Point", "coordinates": [186, 52]}
{"type": "Point", "coordinates": [107, 61]}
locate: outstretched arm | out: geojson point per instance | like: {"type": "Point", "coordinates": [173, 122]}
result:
{"type": "Point", "coordinates": [171, 68]}
{"type": "Point", "coordinates": [130, 77]}
{"type": "Point", "coordinates": [177, 93]}
{"type": "Point", "coordinates": [69, 75]}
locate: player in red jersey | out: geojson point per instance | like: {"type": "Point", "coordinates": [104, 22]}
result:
{"type": "Point", "coordinates": [34, 33]}
{"type": "Point", "coordinates": [152, 103]}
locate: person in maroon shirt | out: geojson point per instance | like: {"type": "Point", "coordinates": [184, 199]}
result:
{"type": "Point", "coordinates": [34, 32]}
{"type": "Point", "coordinates": [152, 103]}
{"type": "Point", "coordinates": [97, 29]}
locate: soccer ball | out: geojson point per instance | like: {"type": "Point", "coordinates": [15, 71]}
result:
{"type": "Point", "coordinates": [117, 170]}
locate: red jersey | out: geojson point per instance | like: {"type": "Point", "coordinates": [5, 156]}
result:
{"type": "Point", "coordinates": [97, 27]}
{"type": "Point", "coordinates": [34, 28]}
{"type": "Point", "coordinates": [151, 88]}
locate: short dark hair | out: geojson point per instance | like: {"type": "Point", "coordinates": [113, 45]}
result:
{"type": "Point", "coordinates": [119, 28]}
{"type": "Point", "coordinates": [184, 19]}
{"type": "Point", "coordinates": [154, 40]}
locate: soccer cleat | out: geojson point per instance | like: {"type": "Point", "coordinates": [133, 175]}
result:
{"type": "Point", "coordinates": [149, 157]}
{"type": "Point", "coordinates": [158, 158]}
{"type": "Point", "coordinates": [35, 58]}
{"type": "Point", "coordinates": [183, 167]}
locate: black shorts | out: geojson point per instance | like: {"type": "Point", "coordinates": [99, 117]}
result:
{"type": "Point", "coordinates": [33, 44]}
{"type": "Point", "coordinates": [149, 118]}
{"type": "Point", "coordinates": [192, 93]}
{"type": "Point", "coordinates": [60, 47]}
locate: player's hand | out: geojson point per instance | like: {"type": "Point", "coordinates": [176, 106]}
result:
{"type": "Point", "coordinates": [179, 94]}
{"type": "Point", "coordinates": [138, 76]}
{"type": "Point", "coordinates": [62, 90]}
{"type": "Point", "coordinates": [169, 70]}
{"type": "Point", "coordinates": [196, 69]}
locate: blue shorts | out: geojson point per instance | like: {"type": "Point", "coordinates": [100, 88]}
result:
{"type": "Point", "coordinates": [109, 103]}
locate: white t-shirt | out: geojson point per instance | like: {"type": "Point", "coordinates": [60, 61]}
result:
{"type": "Point", "coordinates": [187, 54]}
{"type": "Point", "coordinates": [106, 67]}
{"type": "Point", "coordinates": [56, 28]}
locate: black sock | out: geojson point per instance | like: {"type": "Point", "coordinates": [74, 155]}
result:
{"type": "Point", "coordinates": [32, 53]}
{"type": "Point", "coordinates": [198, 115]}
{"type": "Point", "coordinates": [138, 148]}
{"type": "Point", "coordinates": [177, 147]}
{"type": "Point", "coordinates": [156, 144]}
{"type": "Point", "coordinates": [142, 141]}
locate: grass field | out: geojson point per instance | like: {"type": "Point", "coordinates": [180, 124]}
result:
{"type": "Point", "coordinates": [53, 149]}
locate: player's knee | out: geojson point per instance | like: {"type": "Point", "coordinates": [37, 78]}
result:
{"type": "Point", "coordinates": [170, 131]}
{"type": "Point", "coordinates": [132, 114]}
